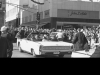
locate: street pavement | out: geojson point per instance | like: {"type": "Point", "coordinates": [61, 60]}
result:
{"type": "Point", "coordinates": [17, 54]}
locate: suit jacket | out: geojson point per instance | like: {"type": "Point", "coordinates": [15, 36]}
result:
{"type": "Point", "coordinates": [10, 39]}
{"type": "Point", "coordinates": [80, 42]}
{"type": "Point", "coordinates": [3, 47]}
{"type": "Point", "coordinates": [22, 32]}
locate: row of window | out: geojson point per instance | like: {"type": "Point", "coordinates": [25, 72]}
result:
{"type": "Point", "coordinates": [33, 17]}
{"type": "Point", "coordinates": [13, 11]}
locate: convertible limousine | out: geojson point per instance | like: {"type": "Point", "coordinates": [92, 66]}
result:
{"type": "Point", "coordinates": [39, 47]}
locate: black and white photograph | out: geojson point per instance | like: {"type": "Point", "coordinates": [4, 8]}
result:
{"type": "Point", "coordinates": [49, 28]}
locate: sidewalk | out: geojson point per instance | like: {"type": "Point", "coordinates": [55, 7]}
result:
{"type": "Point", "coordinates": [83, 54]}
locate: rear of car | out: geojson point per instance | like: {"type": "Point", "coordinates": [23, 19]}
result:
{"type": "Point", "coordinates": [56, 48]}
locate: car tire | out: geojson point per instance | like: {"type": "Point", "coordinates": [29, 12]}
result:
{"type": "Point", "coordinates": [33, 53]}
{"type": "Point", "coordinates": [20, 49]}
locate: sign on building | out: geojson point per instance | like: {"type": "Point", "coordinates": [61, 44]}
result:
{"type": "Point", "coordinates": [64, 13]}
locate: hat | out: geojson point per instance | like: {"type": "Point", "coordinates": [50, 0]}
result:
{"type": "Point", "coordinates": [4, 28]}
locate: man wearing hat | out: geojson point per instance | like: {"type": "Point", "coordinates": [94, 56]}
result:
{"type": "Point", "coordinates": [5, 33]}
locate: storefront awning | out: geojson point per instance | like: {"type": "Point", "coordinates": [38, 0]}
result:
{"type": "Point", "coordinates": [30, 25]}
{"type": "Point", "coordinates": [43, 24]}
{"type": "Point", "coordinates": [34, 25]}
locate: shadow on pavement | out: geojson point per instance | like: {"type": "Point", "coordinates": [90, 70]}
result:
{"type": "Point", "coordinates": [55, 56]}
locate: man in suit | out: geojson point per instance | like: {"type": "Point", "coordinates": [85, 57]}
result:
{"type": "Point", "coordinates": [6, 34]}
{"type": "Point", "coordinates": [80, 41]}
{"type": "Point", "coordinates": [3, 47]}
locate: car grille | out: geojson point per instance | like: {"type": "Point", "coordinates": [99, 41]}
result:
{"type": "Point", "coordinates": [56, 48]}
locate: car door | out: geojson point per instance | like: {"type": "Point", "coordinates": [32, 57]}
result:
{"type": "Point", "coordinates": [23, 44]}
{"type": "Point", "coordinates": [28, 43]}
{"type": "Point", "coordinates": [31, 43]}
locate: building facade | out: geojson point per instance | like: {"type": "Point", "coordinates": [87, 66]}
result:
{"type": "Point", "coordinates": [14, 11]}
{"type": "Point", "coordinates": [63, 13]}
{"type": "Point", "coordinates": [2, 12]}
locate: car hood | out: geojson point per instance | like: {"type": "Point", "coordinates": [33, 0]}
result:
{"type": "Point", "coordinates": [55, 43]}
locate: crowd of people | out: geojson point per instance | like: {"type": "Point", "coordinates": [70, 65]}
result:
{"type": "Point", "coordinates": [92, 34]}
{"type": "Point", "coordinates": [82, 38]}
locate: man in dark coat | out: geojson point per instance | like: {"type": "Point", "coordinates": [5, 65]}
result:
{"type": "Point", "coordinates": [5, 33]}
{"type": "Point", "coordinates": [3, 47]}
{"type": "Point", "coordinates": [22, 32]}
{"type": "Point", "coordinates": [80, 42]}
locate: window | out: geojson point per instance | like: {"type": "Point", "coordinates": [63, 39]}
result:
{"type": "Point", "coordinates": [34, 17]}
{"type": "Point", "coordinates": [26, 19]}
{"type": "Point", "coordinates": [30, 18]}
{"type": "Point", "coordinates": [47, 13]}
{"type": "Point", "coordinates": [23, 20]}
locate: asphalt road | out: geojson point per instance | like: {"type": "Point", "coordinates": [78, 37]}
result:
{"type": "Point", "coordinates": [17, 54]}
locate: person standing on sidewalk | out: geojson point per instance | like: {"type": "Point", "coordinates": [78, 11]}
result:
{"type": "Point", "coordinates": [3, 47]}
{"type": "Point", "coordinates": [6, 34]}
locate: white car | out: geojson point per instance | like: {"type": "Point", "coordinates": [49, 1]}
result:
{"type": "Point", "coordinates": [38, 47]}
